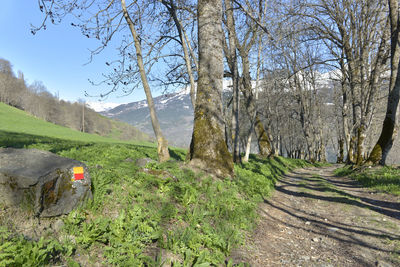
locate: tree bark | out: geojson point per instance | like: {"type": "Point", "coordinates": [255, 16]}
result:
{"type": "Point", "coordinates": [208, 149]}
{"type": "Point", "coordinates": [162, 143]}
{"type": "Point", "coordinates": [390, 124]}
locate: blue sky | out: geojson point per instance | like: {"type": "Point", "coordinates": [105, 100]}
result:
{"type": "Point", "coordinates": [55, 56]}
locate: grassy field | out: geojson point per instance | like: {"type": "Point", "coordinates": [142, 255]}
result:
{"type": "Point", "coordinates": [382, 179]}
{"type": "Point", "coordinates": [27, 126]}
{"type": "Point", "coordinates": [161, 214]}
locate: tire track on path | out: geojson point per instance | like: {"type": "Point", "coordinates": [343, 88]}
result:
{"type": "Point", "coordinates": [316, 219]}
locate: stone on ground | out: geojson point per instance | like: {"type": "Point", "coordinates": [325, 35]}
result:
{"type": "Point", "coordinates": [41, 182]}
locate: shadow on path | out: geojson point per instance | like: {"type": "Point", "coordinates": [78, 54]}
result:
{"type": "Point", "coordinates": [387, 208]}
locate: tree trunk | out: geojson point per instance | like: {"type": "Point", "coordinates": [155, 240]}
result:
{"type": "Point", "coordinates": [253, 118]}
{"type": "Point", "coordinates": [248, 147]}
{"type": "Point", "coordinates": [264, 144]}
{"type": "Point", "coordinates": [208, 149]}
{"type": "Point", "coordinates": [322, 155]}
{"type": "Point", "coordinates": [360, 145]}
{"type": "Point", "coordinates": [162, 143]}
{"type": "Point", "coordinates": [350, 154]}
{"type": "Point", "coordinates": [340, 157]}
{"type": "Point", "coordinates": [233, 65]}
{"type": "Point", "coordinates": [390, 124]}
{"type": "Point", "coordinates": [235, 121]}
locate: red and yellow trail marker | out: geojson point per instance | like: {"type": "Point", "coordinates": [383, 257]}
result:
{"type": "Point", "coordinates": [78, 173]}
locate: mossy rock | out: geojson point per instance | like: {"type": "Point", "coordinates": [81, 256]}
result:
{"type": "Point", "coordinates": [42, 183]}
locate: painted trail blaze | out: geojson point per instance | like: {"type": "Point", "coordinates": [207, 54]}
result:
{"type": "Point", "coordinates": [78, 173]}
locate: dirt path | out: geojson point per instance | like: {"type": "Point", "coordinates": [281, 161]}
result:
{"type": "Point", "coordinates": [316, 219]}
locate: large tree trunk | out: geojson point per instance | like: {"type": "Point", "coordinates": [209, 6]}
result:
{"type": "Point", "coordinates": [390, 124]}
{"type": "Point", "coordinates": [162, 143]}
{"type": "Point", "coordinates": [208, 149]}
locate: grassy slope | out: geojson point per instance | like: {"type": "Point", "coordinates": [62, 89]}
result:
{"type": "Point", "coordinates": [193, 219]}
{"type": "Point", "coordinates": [385, 179]}
{"type": "Point", "coordinates": [17, 121]}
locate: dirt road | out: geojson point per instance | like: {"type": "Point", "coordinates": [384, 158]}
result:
{"type": "Point", "coordinates": [316, 219]}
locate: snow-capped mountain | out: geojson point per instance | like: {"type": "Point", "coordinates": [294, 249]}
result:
{"type": "Point", "coordinates": [174, 111]}
{"type": "Point", "coordinates": [99, 106]}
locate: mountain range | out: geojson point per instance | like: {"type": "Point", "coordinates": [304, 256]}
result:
{"type": "Point", "coordinates": [174, 111]}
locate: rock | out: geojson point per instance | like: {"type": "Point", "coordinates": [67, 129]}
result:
{"type": "Point", "coordinates": [333, 229]}
{"type": "Point", "coordinates": [128, 160]}
{"type": "Point", "coordinates": [305, 258]}
{"type": "Point", "coordinates": [67, 238]}
{"type": "Point", "coordinates": [380, 263]}
{"type": "Point", "coordinates": [41, 182]}
{"type": "Point", "coordinates": [315, 239]}
{"type": "Point", "coordinates": [58, 225]}
{"type": "Point", "coordinates": [143, 162]}
{"type": "Point", "coordinates": [308, 223]}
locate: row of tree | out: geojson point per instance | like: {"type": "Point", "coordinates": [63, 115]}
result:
{"type": "Point", "coordinates": [38, 101]}
{"type": "Point", "coordinates": [305, 74]}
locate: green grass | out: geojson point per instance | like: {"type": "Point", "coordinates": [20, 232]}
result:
{"type": "Point", "coordinates": [193, 218]}
{"type": "Point", "coordinates": [385, 179]}
{"type": "Point", "coordinates": [343, 171]}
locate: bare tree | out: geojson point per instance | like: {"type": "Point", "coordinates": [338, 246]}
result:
{"type": "Point", "coordinates": [102, 20]}
{"type": "Point", "coordinates": [355, 33]}
{"type": "Point", "coordinates": [245, 41]}
{"type": "Point", "coordinates": [162, 148]}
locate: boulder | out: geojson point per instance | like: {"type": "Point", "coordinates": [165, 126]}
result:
{"type": "Point", "coordinates": [41, 182]}
{"type": "Point", "coordinates": [143, 162]}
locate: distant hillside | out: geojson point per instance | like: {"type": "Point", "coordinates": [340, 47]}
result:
{"type": "Point", "coordinates": [14, 120]}
{"type": "Point", "coordinates": [175, 113]}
